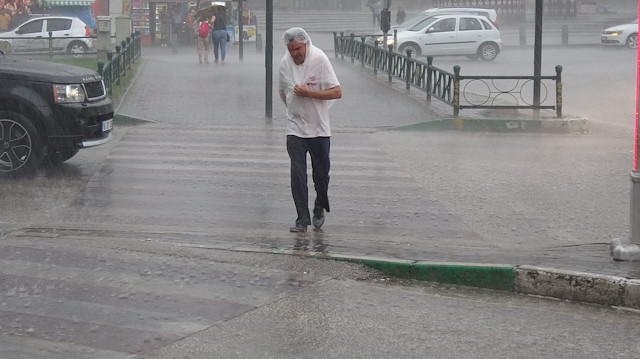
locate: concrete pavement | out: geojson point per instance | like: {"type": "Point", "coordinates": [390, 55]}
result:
{"type": "Point", "coordinates": [213, 116]}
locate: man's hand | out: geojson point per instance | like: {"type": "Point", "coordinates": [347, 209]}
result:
{"type": "Point", "coordinates": [328, 94]}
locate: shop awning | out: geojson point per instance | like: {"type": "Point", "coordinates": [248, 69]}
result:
{"type": "Point", "coordinates": [68, 2]}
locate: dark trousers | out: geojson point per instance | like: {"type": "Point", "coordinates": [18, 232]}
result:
{"type": "Point", "coordinates": [318, 148]}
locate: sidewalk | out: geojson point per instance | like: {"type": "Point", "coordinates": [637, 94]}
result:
{"type": "Point", "coordinates": [383, 217]}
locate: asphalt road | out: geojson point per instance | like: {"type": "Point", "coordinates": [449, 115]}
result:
{"type": "Point", "coordinates": [104, 258]}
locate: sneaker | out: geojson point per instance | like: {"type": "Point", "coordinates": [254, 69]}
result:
{"type": "Point", "coordinates": [299, 228]}
{"type": "Point", "coordinates": [206, 62]}
{"type": "Point", "coordinates": [318, 217]}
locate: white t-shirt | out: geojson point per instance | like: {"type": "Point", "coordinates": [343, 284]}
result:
{"type": "Point", "coordinates": [308, 117]}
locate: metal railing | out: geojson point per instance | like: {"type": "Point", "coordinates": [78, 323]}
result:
{"type": "Point", "coordinates": [461, 92]}
{"type": "Point", "coordinates": [120, 61]}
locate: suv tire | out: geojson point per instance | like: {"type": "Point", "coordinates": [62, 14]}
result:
{"type": "Point", "coordinates": [20, 143]}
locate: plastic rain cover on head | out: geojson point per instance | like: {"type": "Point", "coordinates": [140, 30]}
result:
{"type": "Point", "coordinates": [311, 70]}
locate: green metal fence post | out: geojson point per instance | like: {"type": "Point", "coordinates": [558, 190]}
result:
{"type": "Point", "coordinates": [353, 43]}
{"type": "Point", "coordinates": [375, 58]}
{"type": "Point", "coordinates": [116, 61]}
{"type": "Point", "coordinates": [124, 57]}
{"type": "Point", "coordinates": [110, 65]}
{"type": "Point", "coordinates": [456, 91]}
{"type": "Point", "coordinates": [390, 60]}
{"type": "Point", "coordinates": [407, 72]}
{"type": "Point", "coordinates": [559, 91]}
{"type": "Point", "coordinates": [429, 78]}
{"type": "Point", "coordinates": [342, 45]}
{"type": "Point", "coordinates": [362, 51]}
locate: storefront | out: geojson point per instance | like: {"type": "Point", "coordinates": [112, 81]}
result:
{"type": "Point", "coordinates": [145, 18]}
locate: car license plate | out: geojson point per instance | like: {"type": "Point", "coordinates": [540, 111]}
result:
{"type": "Point", "coordinates": [107, 125]}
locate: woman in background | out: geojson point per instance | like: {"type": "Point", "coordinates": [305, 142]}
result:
{"type": "Point", "coordinates": [219, 35]}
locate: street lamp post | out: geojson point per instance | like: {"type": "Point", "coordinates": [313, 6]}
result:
{"type": "Point", "coordinates": [618, 250]}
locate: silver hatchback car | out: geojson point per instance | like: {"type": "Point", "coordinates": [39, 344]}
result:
{"type": "Point", "coordinates": [68, 35]}
{"type": "Point", "coordinates": [460, 34]}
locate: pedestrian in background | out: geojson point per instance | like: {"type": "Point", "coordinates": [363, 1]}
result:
{"type": "Point", "coordinates": [5, 19]}
{"type": "Point", "coordinates": [307, 83]}
{"type": "Point", "coordinates": [400, 15]}
{"type": "Point", "coordinates": [376, 10]}
{"type": "Point", "coordinates": [219, 35]}
{"type": "Point", "coordinates": [203, 30]}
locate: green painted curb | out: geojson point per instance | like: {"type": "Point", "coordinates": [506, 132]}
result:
{"type": "Point", "coordinates": [475, 124]}
{"type": "Point", "coordinates": [490, 277]}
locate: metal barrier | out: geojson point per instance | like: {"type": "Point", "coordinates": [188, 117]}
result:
{"type": "Point", "coordinates": [119, 61]}
{"type": "Point", "coordinates": [461, 92]}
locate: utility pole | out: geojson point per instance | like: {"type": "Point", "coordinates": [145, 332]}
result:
{"type": "Point", "coordinates": [537, 59]}
{"type": "Point", "coordinates": [268, 63]}
{"type": "Point", "coordinates": [240, 30]}
{"type": "Point", "coordinates": [631, 252]}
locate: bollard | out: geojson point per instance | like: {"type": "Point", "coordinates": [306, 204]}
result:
{"type": "Point", "coordinates": [523, 37]}
{"type": "Point", "coordinates": [565, 35]}
{"type": "Point", "coordinates": [259, 43]}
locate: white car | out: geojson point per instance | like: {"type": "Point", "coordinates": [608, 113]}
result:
{"type": "Point", "coordinates": [468, 35]}
{"type": "Point", "coordinates": [626, 35]}
{"type": "Point", "coordinates": [69, 35]}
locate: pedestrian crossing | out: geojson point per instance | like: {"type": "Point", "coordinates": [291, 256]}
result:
{"type": "Point", "coordinates": [234, 183]}
{"type": "Point", "coordinates": [219, 187]}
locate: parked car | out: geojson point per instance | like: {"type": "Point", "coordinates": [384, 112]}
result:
{"type": "Point", "coordinates": [490, 14]}
{"type": "Point", "coordinates": [49, 111]}
{"type": "Point", "coordinates": [469, 35]}
{"type": "Point", "coordinates": [624, 35]}
{"type": "Point", "coordinates": [69, 35]}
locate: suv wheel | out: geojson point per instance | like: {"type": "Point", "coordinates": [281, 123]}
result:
{"type": "Point", "coordinates": [77, 48]}
{"type": "Point", "coordinates": [20, 145]}
{"type": "Point", "coordinates": [488, 51]}
{"type": "Point", "coordinates": [415, 49]}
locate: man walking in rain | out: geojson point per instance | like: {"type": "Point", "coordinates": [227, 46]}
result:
{"type": "Point", "coordinates": [307, 84]}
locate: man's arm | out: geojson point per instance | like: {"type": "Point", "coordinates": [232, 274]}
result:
{"type": "Point", "coordinates": [328, 94]}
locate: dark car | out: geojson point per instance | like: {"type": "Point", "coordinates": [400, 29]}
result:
{"type": "Point", "coordinates": [49, 111]}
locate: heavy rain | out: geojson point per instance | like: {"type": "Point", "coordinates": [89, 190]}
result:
{"type": "Point", "coordinates": [172, 240]}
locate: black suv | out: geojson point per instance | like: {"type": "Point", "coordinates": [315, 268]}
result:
{"type": "Point", "coordinates": [48, 111]}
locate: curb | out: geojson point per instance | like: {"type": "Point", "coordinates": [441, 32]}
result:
{"type": "Point", "coordinates": [523, 279]}
{"type": "Point", "coordinates": [564, 125]}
